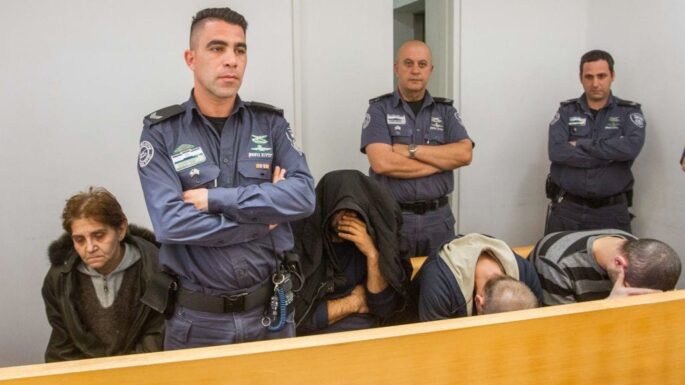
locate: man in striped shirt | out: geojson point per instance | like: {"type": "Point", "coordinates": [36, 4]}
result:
{"type": "Point", "coordinates": [577, 266]}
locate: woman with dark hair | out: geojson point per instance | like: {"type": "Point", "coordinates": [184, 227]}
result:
{"type": "Point", "coordinates": [100, 269]}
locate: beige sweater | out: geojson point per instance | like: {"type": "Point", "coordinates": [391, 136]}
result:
{"type": "Point", "coordinates": [461, 255]}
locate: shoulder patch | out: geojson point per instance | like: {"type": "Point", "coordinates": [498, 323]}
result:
{"type": "Point", "coordinates": [264, 107]}
{"type": "Point", "coordinates": [164, 114]}
{"type": "Point", "coordinates": [567, 102]}
{"type": "Point", "coordinates": [627, 103]}
{"type": "Point", "coordinates": [379, 98]}
{"type": "Point", "coordinates": [443, 100]}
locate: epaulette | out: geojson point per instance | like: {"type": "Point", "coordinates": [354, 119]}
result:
{"type": "Point", "coordinates": [164, 114]}
{"type": "Point", "coordinates": [567, 102]}
{"type": "Point", "coordinates": [377, 98]}
{"type": "Point", "coordinates": [627, 103]}
{"type": "Point", "coordinates": [264, 107]}
{"type": "Point", "coordinates": [443, 100]}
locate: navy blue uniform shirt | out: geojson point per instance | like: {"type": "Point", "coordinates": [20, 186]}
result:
{"type": "Point", "coordinates": [390, 120]}
{"type": "Point", "coordinates": [229, 247]}
{"type": "Point", "coordinates": [606, 146]}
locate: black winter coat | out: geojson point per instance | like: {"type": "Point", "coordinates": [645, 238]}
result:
{"type": "Point", "coordinates": [348, 189]}
{"type": "Point", "coordinates": [69, 339]}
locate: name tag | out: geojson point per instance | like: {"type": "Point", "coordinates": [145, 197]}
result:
{"type": "Point", "coordinates": [188, 158]}
{"type": "Point", "coordinates": [396, 119]}
{"type": "Point", "coordinates": [577, 121]}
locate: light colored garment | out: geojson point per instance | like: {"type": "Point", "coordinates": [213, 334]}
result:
{"type": "Point", "coordinates": [107, 286]}
{"type": "Point", "coordinates": [461, 255]}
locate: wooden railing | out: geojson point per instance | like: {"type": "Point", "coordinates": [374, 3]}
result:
{"type": "Point", "coordinates": [637, 340]}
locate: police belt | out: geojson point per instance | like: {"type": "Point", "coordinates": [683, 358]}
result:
{"type": "Point", "coordinates": [226, 303]}
{"type": "Point", "coordinates": [596, 203]}
{"type": "Point", "coordinates": [421, 207]}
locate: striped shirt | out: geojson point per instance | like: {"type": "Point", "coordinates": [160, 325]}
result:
{"type": "Point", "coordinates": [567, 269]}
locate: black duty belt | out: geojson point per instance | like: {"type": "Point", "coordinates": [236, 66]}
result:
{"type": "Point", "coordinates": [227, 303]}
{"type": "Point", "coordinates": [596, 202]}
{"type": "Point", "coordinates": [421, 207]}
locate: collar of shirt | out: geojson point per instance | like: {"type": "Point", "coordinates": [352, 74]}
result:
{"type": "Point", "coordinates": [582, 102]}
{"type": "Point", "coordinates": [191, 106]}
{"type": "Point", "coordinates": [397, 99]}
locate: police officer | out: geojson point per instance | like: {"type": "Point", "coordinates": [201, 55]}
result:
{"type": "Point", "coordinates": [593, 141]}
{"type": "Point", "coordinates": [221, 178]}
{"type": "Point", "coordinates": [414, 142]}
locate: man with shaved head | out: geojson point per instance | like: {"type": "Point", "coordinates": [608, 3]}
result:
{"type": "Point", "coordinates": [454, 282]}
{"type": "Point", "coordinates": [502, 294]}
{"type": "Point", "coordinates": [413, 142]}
{"type": "Point", "coordinates": [222, 179]}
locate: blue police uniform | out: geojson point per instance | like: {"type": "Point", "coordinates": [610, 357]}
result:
{"type": "Point", "coordinates": [594, 175]}
{"type": "Point", "coordinates": [427, 218]}
{"type": "Point", "coordinates": [229, 249]}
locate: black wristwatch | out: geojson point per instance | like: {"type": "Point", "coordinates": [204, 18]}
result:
{"type": "Point", "coordinates": [412, 151]}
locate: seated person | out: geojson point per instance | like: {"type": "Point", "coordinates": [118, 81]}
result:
{"type": "Point", "coordinates": [502, 294]}
{"type": "Point", "coordinates": [100, 269]}
{"type": "Point", "coordinates": [355, 274]}
{"type": "Point", "coordinates": [447, 282]}
{"type": "Point", "coordinates": [577, 266]}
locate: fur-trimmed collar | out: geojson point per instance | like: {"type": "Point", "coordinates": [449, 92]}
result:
{"type": "Point", "coordinates": [62, 248]}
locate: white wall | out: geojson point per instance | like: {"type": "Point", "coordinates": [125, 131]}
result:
{"type": "Point", "coordinates": [518, 61]}
{"type": "Point", "coordinates": [77, 78]}
{"type": "Point", "coordinates": [345, 59]}
{"type": "Point", "coordinates": [439, 36]}
{"type": "Point", "coordinates": [647, 41]}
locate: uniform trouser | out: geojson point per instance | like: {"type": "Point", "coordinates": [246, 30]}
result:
{"type": "Point", "coordinates": [424, 233]}
{"type": "Point", "coordinates": [189, 328]}
{"type": "Point", "coordinates": [567, 215]}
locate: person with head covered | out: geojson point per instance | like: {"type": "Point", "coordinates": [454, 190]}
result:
{"type": "Point", "coordinates": [452, 282]}
{"type": "Point", "coordinates": [356, 272]}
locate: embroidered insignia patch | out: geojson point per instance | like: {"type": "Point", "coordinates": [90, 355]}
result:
{"type": "Point", "coordinates": [290, 134]}
{"type": "Point", "coordinates": [638, 119]}
{"type": "Point", "coordinates": [555, 119]}
{"type": "Point", "coordinates": [145, 153]}
{"type": "Point", "coordinates": [367, 121]}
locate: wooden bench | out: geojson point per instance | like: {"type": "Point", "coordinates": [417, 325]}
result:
{"type": "Point", "coordinates": [417, 262]}
{"type": "Point", "coordinates": [639, 340]}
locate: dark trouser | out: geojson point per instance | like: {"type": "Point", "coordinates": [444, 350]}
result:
{"type": "Point", "coordinates": [426, 232]}
{"type": "Point", "coordinates": [567, 215]}
{"type": "Point", "coordinates": [191, 328]}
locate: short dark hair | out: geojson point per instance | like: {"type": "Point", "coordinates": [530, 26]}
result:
{"type": "Point", "coordinates": [226, 14]}
{"type": "Point", "coordinates": [97, 204]}
{"type": "Point", "coordinates": [652, 264]}
{"type": "Point", "coordinates": [503, 293]}
{"type": "Point", "coordinates": [595, 55]}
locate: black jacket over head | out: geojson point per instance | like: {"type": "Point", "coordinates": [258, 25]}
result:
{"type": "Point", "coordinates": [348, 189]}
{"type": "Point", "coordinates": [70, 339]}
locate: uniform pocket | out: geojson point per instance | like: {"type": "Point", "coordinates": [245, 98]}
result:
{"type": "Point", "coordinates": [449, 223]}
{"type": "Point", "coordinates": [255, 170]}
{"type": "Point", "coordinates": [177, 331]}
{"type": "Point", "coordinates": [200, 175]}
{"type": "Point", "coordinates": [400, 134]}
{"type": "Point", "coordinates": [579, 131]}
{"type": "Point", "coordinates": [435, 137]}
